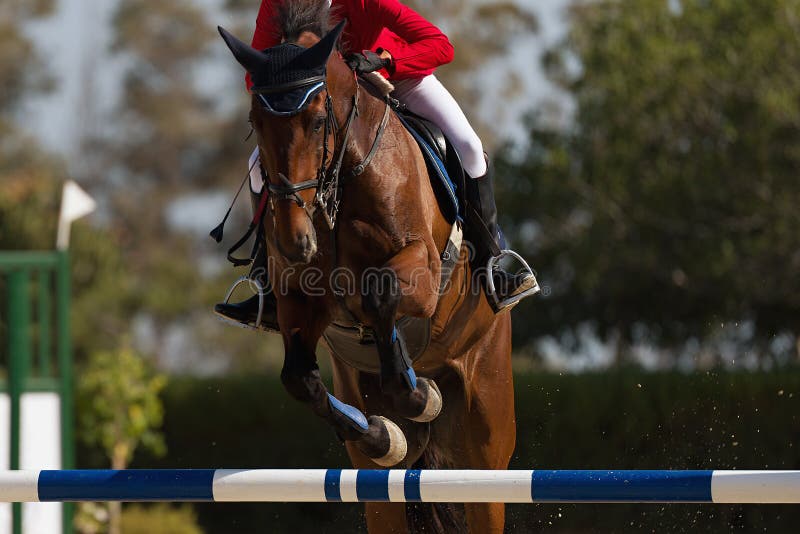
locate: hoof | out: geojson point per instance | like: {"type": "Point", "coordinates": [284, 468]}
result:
{"type": "Point", "coordinates": [433, 405]}
{"type": "Point", "coordinates": [397, 445]}
{"type": "Point", "coordinates": [384, 442]}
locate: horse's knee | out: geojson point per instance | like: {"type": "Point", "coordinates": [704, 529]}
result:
{"type": "Point", "coordinates": [381, 295]}
{"type": "Point", "coordinates": [300, 374]}
{"type": "Point", "coordinates": [420, 305]}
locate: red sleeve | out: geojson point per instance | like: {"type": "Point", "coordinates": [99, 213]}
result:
{"type": "Point", "coordinates": [425, 47]}
{"type": "Point", "coordinates": [267, 33]}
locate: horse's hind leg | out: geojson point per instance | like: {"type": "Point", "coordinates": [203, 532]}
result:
{"type": "Point", "coordinates": [377, 437]}
{"type": "Point", "coordinates": [414, 398]}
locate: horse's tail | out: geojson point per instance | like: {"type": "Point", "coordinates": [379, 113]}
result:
{"type": "Point", "coordinates": [428, 518]}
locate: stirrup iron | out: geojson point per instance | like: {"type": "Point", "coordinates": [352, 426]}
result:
{"type": "Point", "coordinates": [491, 291]}
{"type": "Point", "coordinates": [241, 280]}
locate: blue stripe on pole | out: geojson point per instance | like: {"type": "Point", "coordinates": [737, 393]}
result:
{"type": "Point", "coordinates": [411, 485]}
{"type": "Point", "coordinates": [609, 486]}
{"type": "Point", "coordinates": [333, 490]}
{"type": "Point", "coordinates": [132, 485]}
{"type": "Point", "coordinates": [372, 485]}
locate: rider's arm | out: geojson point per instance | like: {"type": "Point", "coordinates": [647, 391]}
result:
{"type": "Point", "coordinates": [425, 47]}
{"type": "Point", "coordinates": [267, 33]}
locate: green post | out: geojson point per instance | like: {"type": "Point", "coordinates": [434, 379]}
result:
{"type": "Point", "coordinates": [19, 344]}
{"type": "Point", "coordinates": [44, 315]}
{"type": "Point", "coordinates": [17, 267]}
{"type": "Point", "coordinates": [65, 373]}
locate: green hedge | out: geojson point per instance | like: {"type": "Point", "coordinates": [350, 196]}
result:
{"type": "Point", "coordinates": [625, 419]}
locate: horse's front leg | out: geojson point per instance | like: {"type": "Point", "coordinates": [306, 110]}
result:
{"type": "Point", "coordinates": [407, 281]}
{"type": "Point", "coordinates": [301, 326]}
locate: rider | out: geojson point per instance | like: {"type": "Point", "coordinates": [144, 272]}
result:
{"type": "Point", "coordinates": [391, 38]}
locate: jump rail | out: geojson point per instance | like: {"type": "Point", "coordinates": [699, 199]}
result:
{"type": "Point", "coordinates": [365, 485]}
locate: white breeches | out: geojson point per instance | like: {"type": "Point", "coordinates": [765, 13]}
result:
{"type": "Point", "coordinates": [428, 98]}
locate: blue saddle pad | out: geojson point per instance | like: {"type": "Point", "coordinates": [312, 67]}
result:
{"type": "Point", "coordinates": [443, 186]}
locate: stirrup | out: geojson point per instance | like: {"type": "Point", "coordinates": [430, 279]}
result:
{"type": "Point", "coordinates": [241, 280]}
{"type": "Point", "coordinates": [491, 292]}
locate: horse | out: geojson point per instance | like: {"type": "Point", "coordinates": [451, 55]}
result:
{"type": "Point", "coordinates": [348, 191]}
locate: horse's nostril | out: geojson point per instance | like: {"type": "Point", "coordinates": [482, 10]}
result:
{"type": "Point", "coordinates": [306, 243]}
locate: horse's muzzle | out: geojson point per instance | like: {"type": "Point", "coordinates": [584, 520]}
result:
{"type": "Point", "coordinates": [302, 249]}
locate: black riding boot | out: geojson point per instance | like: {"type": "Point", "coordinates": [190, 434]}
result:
{"type": "Point", "coordinates": [245, 313]}
{"type": "Point", "coordinates": [508, 288]}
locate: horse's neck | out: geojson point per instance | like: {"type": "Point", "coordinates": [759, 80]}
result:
{"type": "Point", "coordinates": [370, 113]}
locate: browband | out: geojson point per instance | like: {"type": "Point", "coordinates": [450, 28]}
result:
{"type": "Point", "coordinates": [284, 87]}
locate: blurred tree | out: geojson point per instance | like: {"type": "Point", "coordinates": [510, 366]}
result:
{"type": "Point", "coordinates": [170, 138]}
{"type": "Point", "coordinates": [22, 73]}
{"type": "Point", "coordinates": [170, 127]}
{"type": "Point", "coordinates": [668, 209]}
{"type": "Point", "coordinates": [21, 69]}
{"type": "Point", "coordinates": [157, 144]}
{"type": "Point", "coordinates": [161, 518]}
{"type": "Point", "coordinates": [119, 409]}
{"type": "Point", "coordinates": [483, 34]}
{"type": "Point", "coordinates": [30, 192]}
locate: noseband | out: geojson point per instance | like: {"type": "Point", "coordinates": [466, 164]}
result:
{"type": "Point", "coordinates": [328, 183]}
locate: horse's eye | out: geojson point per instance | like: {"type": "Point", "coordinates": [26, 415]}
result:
{"type": "Point", "coordinates": [319, 122]}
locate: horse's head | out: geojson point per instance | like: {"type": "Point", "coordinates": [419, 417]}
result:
{"type": "Point", "coordinates": [292, 114]}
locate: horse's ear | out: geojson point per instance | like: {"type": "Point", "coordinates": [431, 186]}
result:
{"type": "Point", "coordinates": [247, 56]}
{"type": "Point", "coordinates": [318, 54]}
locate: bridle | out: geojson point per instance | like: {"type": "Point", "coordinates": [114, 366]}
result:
{"type": "Point", "coordinates": [328, 183]}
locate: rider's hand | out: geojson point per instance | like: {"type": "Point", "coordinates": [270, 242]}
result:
{"type": "Point", "coordinates": [368, 61]}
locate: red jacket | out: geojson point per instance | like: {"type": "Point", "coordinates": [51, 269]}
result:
{"type": "Point", "coordinates": [417, 46]}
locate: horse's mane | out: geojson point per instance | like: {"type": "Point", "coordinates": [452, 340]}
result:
{"type": "Point", "coordinates": [293, 17]}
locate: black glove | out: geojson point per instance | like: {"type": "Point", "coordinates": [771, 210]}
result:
{"type": "Point", "coordinates": [366, 61]}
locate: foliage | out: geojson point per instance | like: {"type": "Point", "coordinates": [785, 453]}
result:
{"type": "Point", "coordinates": [170, 139]}
{"type": "Point", "coordinates": [119, 409]}
{"type": "Point", "coordinates": [21, 69]}
{"type": "Point", "coordinates": [160, 518]}
{"type": "Point", "coordinates": [119, 405]}
{"type": "Point", "coordinates": [91, 518]}
{"type": "Point", "coordinates": [669, 206]}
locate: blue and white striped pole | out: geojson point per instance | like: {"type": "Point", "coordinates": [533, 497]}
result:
{"type": "Point", "coordinates": [364, 485]}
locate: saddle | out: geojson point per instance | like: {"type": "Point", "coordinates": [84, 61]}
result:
{"type": "Point", "coordinates": [355, 344]}
{"type": "Point", "coordinates": [444, 164]}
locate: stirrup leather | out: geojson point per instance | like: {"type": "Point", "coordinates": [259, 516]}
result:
{"type": "Point", "coordinates": [491, 291]}
{"type": "Point", "coordinates": [261, 292]}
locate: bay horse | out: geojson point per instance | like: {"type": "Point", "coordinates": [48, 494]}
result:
{"type": "Point", "coordinates": [348, 191]}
